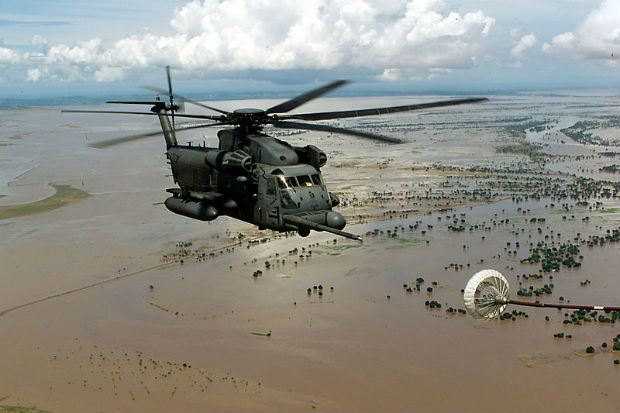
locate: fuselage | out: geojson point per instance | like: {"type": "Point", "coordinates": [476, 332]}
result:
{"type": "Point", "coordinates": [255, 178]}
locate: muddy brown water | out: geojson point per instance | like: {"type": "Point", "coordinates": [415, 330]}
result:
{"type": "Point", "coordinates": [122, 345]}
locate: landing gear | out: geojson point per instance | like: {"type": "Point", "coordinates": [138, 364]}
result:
{"type": "Point", "coordinates": [303, 232]}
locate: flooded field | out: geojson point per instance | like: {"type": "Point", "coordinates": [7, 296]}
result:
{"type": "Point", "coordinates": [110, 302]}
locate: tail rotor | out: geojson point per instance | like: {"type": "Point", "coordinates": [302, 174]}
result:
{"type": "Point", "coordinates": [170, 95]}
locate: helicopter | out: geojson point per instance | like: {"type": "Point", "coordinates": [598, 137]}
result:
{"type": "Point", "coordinates": [252, 176]}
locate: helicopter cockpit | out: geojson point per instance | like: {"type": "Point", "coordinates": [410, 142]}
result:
{"type": "Point", "coordinates": [298, 188]}
{"type": "Point", "coordinates": [291, 189]}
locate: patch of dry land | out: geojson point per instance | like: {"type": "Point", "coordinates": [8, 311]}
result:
{"type": "Point", "coordinates": [65, 195]}
{"type": "Point", "coordinates": [109, 302]}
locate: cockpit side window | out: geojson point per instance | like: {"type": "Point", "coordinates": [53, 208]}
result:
{"type": "Point", "coordinates": [304, 180]}
{"type": "Point", "coordinates": [271, 187]}
{"type": "Point", "coordinates": [282, 182]}
{"type": "Point", "coordinates": [316, 179]}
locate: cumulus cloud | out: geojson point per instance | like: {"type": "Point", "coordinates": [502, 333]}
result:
{"type": "Point", "coordinates": [436, 72]}
{"type": "Point", "coordinates": [229, 35]}
{"type": "Point", "coordinates": [391, 75]}
{"type": "Point", "coordinates": [34, 75]}
{"type": "Point", "coordinates": [8, 56]}
{"type": "Point", "coordinates": [109, 74]}
{"type": "Point", "coordinates": [597, 37]}
{"type": "Point", "coordinates": [39, 44]}
{"type": "Point", "coordinates": [85, 52]}
{"type": "Point", "coordinates": [526, 42]}
{"type": "Point", "coordinates": [516, 53]}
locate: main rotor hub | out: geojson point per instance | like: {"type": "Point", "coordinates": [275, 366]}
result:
{"type": "Point", "coordinates": [248, 111]}
{"type": "Point", "coordinates": [250, 120]}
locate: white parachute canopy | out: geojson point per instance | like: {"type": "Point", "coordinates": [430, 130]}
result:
{"type": "Point", "coordinates": [486, 295]}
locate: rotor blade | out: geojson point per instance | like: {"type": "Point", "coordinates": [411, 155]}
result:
{"type": "Point", "coordinates": [169, 83]}
{"type": "Point", "coordinates": [107, 111]}
{"type": "Point", "coordinates": [157, 90]}
{"type": "Point", "coordinates": [170, 94]}
{"type": "Point", "coordinates": [327, 128]}
{"type": "Point", "coordinates": [301, 99]}
{"type": "Point", "coordinates": [187, 126]}
{"type": "Point", "coordinates": [210, 117]}
{"type": "Point", "coordinates": [179, 107]}
{"type": "Point", "coordinates": [380, 111]}
{"type": "Point", "coordinates": [118, 141]}
{"type": "Point", "coordinates": [136, 102]}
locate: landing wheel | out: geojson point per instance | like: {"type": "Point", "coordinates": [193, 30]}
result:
{"type": "Point", "coordinates": [303, 232]}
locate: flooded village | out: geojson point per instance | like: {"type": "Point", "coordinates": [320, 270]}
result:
{"type": "Point", "coordinates": [110, 300]}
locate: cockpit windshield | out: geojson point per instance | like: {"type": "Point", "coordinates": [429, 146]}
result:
{"type": "Point", "coordinates": [291, 181]}
{"type": "Point", "coordinates": [289, 188]}
{"type": "Point", "coordinates": [285, 182]}
{"type": "Point", "coordinates": [304, 180]}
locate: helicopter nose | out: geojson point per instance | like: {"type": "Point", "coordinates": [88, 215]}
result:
{"type": "Point", "coordinates": [335, 220]}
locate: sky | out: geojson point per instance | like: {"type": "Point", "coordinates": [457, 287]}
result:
{"type": "Point", "coordinates": [215, 47]}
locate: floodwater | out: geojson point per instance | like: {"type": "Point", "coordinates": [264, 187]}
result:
{"type": "Point", "coordinates": [192, 336]}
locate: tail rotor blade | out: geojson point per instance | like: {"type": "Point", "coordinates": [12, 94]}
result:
{"type": "Point", "coordinates": [169, 81]}
{"type": "Point", "coordinates": [170, 94]}
{"type": "Point", "coordinates": [186, 99]}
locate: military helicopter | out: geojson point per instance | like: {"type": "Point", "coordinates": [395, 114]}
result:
{"type": "Point", "coordinates": [252, 176]}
